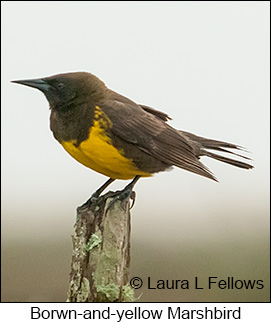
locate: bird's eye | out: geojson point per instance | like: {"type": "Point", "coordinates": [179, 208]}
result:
{"type": "Point", "coordinates": [60, 86]}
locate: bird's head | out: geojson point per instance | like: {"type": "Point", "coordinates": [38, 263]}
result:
{"type": "Point", "coordinates": [64, 90]}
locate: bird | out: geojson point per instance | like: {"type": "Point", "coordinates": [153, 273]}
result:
{"type": "Point", "coordinates": [114, 136]}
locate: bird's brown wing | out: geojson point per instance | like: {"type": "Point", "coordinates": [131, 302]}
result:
{"type": "Point", "coordinates": [151, 134]}
{"type": "Point", "coordinates": [159, 114]}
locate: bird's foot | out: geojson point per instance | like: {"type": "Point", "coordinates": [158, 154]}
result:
{"type": "Point", "coordinates": [95, 200]}
{"type": "Point", "coordinates": [92, 200]}
{"type": "Point", "coordinates": [126, 193]}
{"type": "Point", "coordinates": [95, 196]}
{"type": "Point", "coordinates": [123, 196]}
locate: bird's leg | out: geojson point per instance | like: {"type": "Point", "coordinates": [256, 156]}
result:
{"type": "Point", "coordinates": [126, 192]}
{"type": "Point", "coordinates": [98, 192]}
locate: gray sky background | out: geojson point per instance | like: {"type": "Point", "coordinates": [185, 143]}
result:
{"type": "Point", "coordinates": [205, 64]}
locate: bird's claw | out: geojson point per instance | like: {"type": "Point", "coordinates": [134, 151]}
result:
{"type": "Point", "coordinates": [122, 196]}
{"type": "Point", "coordinates": [92, 200]}
{"type": "Point", "coordinates": [132, 197]}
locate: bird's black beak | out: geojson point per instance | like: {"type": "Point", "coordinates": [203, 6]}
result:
{"type": "Point", "coordinates": [39, 84]}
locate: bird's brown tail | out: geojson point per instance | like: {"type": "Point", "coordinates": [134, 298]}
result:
{"type": "Point", "coordinates": [204, 143]}
{"type": "Point", "coordinates": [228, 160]}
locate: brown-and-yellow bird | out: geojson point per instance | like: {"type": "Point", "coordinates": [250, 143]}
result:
{"type": "Point", "coordinates": [119, 138]}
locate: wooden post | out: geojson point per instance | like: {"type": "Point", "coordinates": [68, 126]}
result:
{"type": "Point", "coordinates": [101, 252]}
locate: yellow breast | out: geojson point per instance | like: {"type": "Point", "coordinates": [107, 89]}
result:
{"type": "Point", "coordinates": [98, 153]}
